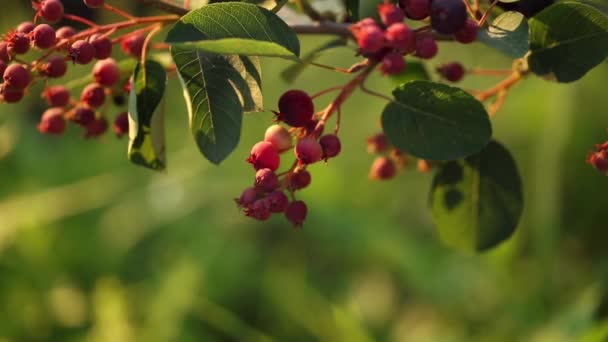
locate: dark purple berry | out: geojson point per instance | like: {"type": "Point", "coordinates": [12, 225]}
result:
{"type": "Point", "coordinates": [121, 124]}
{"type": "Point", "coordinates": [468, 33]}
{"type": "Point", "coordinates": [296, 213]}
{"type": "Point", "coordinates": [452, 72]}
{"type": "Point", "coordinates": [296, 108]}
{"type": "Point", "coordinates": [331, 145]}
{"type": "Point", "coordinates": [278, 201]}
{"type": "Point", "coordinates": [426, 47]}
{"type": "Point", "coordinates": [299, 179]}
{"type": "Point", "coordinates": [266, 180]}
{"type": "Point", "coordinates": [416, 9]}
{"type": "Point", "coordinates": [448, 16]}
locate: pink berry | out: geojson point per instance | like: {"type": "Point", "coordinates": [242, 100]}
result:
{"type": "Point", "coordinates": [390, 14]}
{"type": "Point", "coordinates": [133, 45]}
{"type": "Point", "coordinates": [55, 67]}
{"type": "Point", "coordinates": [278, 201]}
{"type": "Point", "coordinates": [299, 179]}
{"type": "Point", "coordinates": [426, 47]}
{"type": "Point", "coordinates": [392, 64]}
{"type": "Point", "coordinates": [106, 72]}
{"type": "Point", "coordinates": [56, 96]}
{"type": "Point", "coordinates": [93, 95]}
{"type": "Point", "coordinates": [18, 43]}
{"type": "Point", "coordinates": [10, 94]}
{"type": "Point", "coordinates": [416, 9]}
{"type": "Point", "coordinates": [102, 45]}
{"type": "Point", "coordinates": [452, 72]}
{"type": "Point", "coordinates": [264, 156]}
{"type": "Point", "coordinates": [4, 55]}
{"type": "Point", "coordinates": [94, 3]}
{"type": "Point", "coordinates": [81, 52]}
{"type": "Point", "coordinates": [377, 143]}
{"type": "Point", "coordinates": [81, 115]}
{"type": "Point", "coordinates": [248, 197]}
{"type": "Point", "coordinates": [96, 128]}
{"type": "Point", "coordinates": [331, 145]}
{"type": "Point", "coordinates": [296, 213]}
{"type": "Point", "coordinates": [64, 32]}
{"type": "Point", "coordinates": [468, 33]}
{"type": "Point", "coordinates": [25, 27]}
{"type": "Point", "coordinates": [17, 76]}
{"type": "Point", "coordinates": [121, 124]}
{"type": "Point", "coordinates": [43, 36]}
{"type": "Point", "coordinates": [308, 151]}
{"type": "Point", "coordinates": [399, 36]}
{"type": "Point", "coordinates": [266, 180]}
{"type": "Point", "coordinates": [370, 39]}
{"type": "Point", "coordinates": [52, 122]}
{"type": "Point", "coordinates": [51, 10]}
{"type": "Point", "coordinates": [279, 137]}
{"type": "Point", "coordinates": [296, 108]}
{"type": "Point", "coordinates": [259, 210]}
{"type": "Point", "coordinates": [383, 168]}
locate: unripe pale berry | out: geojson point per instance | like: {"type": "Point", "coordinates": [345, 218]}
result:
{"type": "Point", "coordinates": [43, 36]}
{"type": "Point", "coordinates": [52, 122]}
{"type": "Point", "coordinates": [10, 94]}
{"type": "Point", "coordinates": [279, 137]}
{"type": "Point", "coordinates": [259, 210]}
{"type": "Point", "coordinates": [18, 43]}
{"type": "Point", "coordinates": [426, 47]}
{"type": "Point", "coordinates": [377, 143]}
{"type": "Point", "coordinates": [133, 45]}
{"type": "Point", "coordinates": [25, 27]}
{"type": "Point", "coordinates": [81, 115]}
{"type": "Point", "coordinates": [64, 32]}
{"type": "Point", "coordinates": [266, 180]}
{"type": "Point", "coordinates": [296, 213]}
{"type": "Point", "coordinates": [106, 72]}
{"type": "Point", "coordinates": [94, 3]}
{"type": "Point", "coordinates": [247, 198]}
{"type": "Point", "coordinates": [299, 179]}
{"type": "Point", "coordinates": [96, 128]}
{"type": "Point", "coordinates": [448, 16]}
{"type": "Point", "coordinates": [55, 67]}
{"type": "Point", "coordinates": [264, 156]}
{"type": "Point", "coordinates": [331, 145]}
{"type": "Point", "coordinates": [121, 124]}
{"type": "Point", "coordinates": [308, 151]}
{"type": "Point", "coordinates": [51, 10]}
{"type": "Point", "coordinates": [93, 95]}
{"type": "Point", "coordinates": [102, 45]}
{"type": "Point", "coordinates": [392, 64]}
{"type": "Point", "coordinates": [278, 201]}
{"type": "Point", "coordinates": [56, 96]}
{"type": "Point", "coordinates": [468, 33]}
{"type": "Point", "coordinates": [81, 52]}
{"type": "Point", "coordinates": [416, 9]}
{"type": "Point", "coordinates": [399, 36]}
{"type": "Point", "coordinates": [296, 108]}
{"type": "Point", "coordinates": [390, 14]}
{"type": "Point", "coordinates": [17, 76]}
{"type": "Point", "coordinates": [383, 168]}
{"type": "Point", "coordinates": [4, 56]}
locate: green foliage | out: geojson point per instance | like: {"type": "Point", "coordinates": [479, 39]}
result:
{"type": "Point", "coordinates": [508, 33]}
{"type": "Point", "coordinates": [477, 202]}
{"type": "Point", "coordinates": [435, 121]}
{"type": "Point", "coordinates": [352, 9]}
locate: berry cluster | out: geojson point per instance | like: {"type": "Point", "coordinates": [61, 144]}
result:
{"type": "Point", "coordinates": [387, 42]}
{"type": "Point", "coordinates": [599, 158]}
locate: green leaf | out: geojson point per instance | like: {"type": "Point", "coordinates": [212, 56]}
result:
{"type": "Point", "coordinates": [146, 125]}
{"type": "Point", "coordinates": [567, 40]}
{"type": "Point", "coordinates": [293, 71]}
{"type": "Point", "coordinates": [352, 10]}
{"type": "Point", "coordinates": [413, 71]}
{"type": "Point", "coordinates": [508, 33]}
{"type": "Point", "coordinates": [217, 88]}
{"type": "Point", "coordinates": [235, 28]}
{"type": "Point", "coordinates": [435, 121]}
{"type": "Point", "coordinates": [477, 202]}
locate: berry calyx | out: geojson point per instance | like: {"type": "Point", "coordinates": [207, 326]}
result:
{"type": "Point", "coordinates": [55, 67]}
{"type": "Point", "coordinates": [266, 180]}
{"type": "Point", "coordinates": [392, 64]}
{"type": "Point", "coordinates": [93, 95]}
{"type": "Point", "coordinates": [448, 16]}
{"type": "Point", "coordinates": [106, 72]}
{"type": "Point", "coordinates": [308, 151]}
{"type": "Point", "coordinates": [51, 10]}
{"type": "Point", "coordinates": [102, 45]}
{"type": "Point", "coordinates": [279, 137]}
{"type": "Point", "coordinates": [52, 122]}
{"type": "Point", "coordinates": [81, 52]}
{"type": "Point", "coordinates": [452, 72]}
{"type": "Point", "coordinates": [17, 76]}
{"type": "Point", "coordinates": [299, 179]}
{"type": "Point", "coordinates": [390, 13]}
{"type": "Point", "coordinates": [382, 168]}
{"type": "Point", "coordinates": [296, 213]}
{"type": "Point", "coordinates": [121, 124]}
{"type": "Point", "coordinates": [43, 36]}
{"type": "Point", "coordinates": [296, 108]}
{"type": "Point", "coordinates": [331, 145]}
{"type": "Point", "coordinates": [56, 96]}
{"type": "Point", "coordinates": [415, 9]}
{"type": "Point", "coordinates": [468, 33]}
{"type": "Point", "coordinates": [264, 156]}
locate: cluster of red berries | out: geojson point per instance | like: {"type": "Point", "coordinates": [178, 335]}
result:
{"type": "Point", "coordinates": [268, 194]}
{"type": "Point", "coordinates": [387, 42]}
{"type": "Point", "coordinates": [599, 158]}
{"type": "Point", "coordinates": [389, 159]}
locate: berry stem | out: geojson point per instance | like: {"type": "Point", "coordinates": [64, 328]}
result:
{"type": "Point", "coordinates": [118, 11]}
{"type": "Point", "coordinates": [472, 11]}
{"type": "Point", "coordinates": [326, 91]}
{"type": "Point", "coordinates": [80, 20]}
{"type": "Point", "coordinates": [503, 85]}
{"type": "Point", "coordinates": [144, 53]}
{"type": "Point", "coordinates": [485, 16]}
{"type": "Point", "coordinates": [489, 72]}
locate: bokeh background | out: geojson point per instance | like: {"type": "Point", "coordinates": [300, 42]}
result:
{"type": "Point", "coordinates": [93, 248]}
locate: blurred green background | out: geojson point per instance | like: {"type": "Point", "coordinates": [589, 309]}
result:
{"type": "Point", "coordinates": [93, 248]}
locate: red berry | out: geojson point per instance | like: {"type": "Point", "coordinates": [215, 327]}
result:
{"type": "Point", "coordinates": [56, 96]}
{"type": "Point", "coordinates": [389, 13]}
{"type": "Point", "coordinates": [264, 156]}
{"type": "Point", "coordinates": [296, 213]}
{"type": "Point", "coordinates": [308, 151]}
{"type": "Point", "coordinates": [400, 37]}
{"type": "Point", "coordinates": [370, 39]}
{"type": "Point", "coordinates": [93, 95]}
{"type": "Point", "coordinates": [52, 121]}
{"type": "Point", "coordinates": [106, 72]}
{"type": "Point", "coordinates": [299, 179]}
{"type": "Point", "coordinates": [55, 67]}
{"type": "Point", "coordinates": [247, 198]}
{"type": "Point", "coordinates": [468, 33]}
{"type": "Point", "coordinates": [18, 43]}
{"type": "Point", "coordinates": [51, 10]}
{"type": "Point", "coordinates": [81, 115]}
{"type": "Point", "coordinates": [599, 160]}
{"type": "Point", "coordinates": [452, 72]}
{"type": "Point", "coordinates": [266, 180]}
{"type": "Point", "coordinates": [102, 45]}
{"type": "Point", "coordinates": [331, 145]}
{"type": "Point", "coordinates": [279, 137]}
{"type": "Point", "coordinates": [81, 52]}
{"type": "Point", "coordinates": [278, 201]}
{"type": "Point", "coordinates": [133, 45]}
{"type": "Point", "coordinates": [17, 76]}
{"type": "Point", "coordinates": [25, 27]}
{"type": "Point", "coordinates": [4, 55]}
{"type": "Point", "coordinates": [448, 16]}
{"type": "Point", "coordinates": [10, 94]}
{"type": "Point", "coordinates": [392, 64]}
{"type": "Point", "coordinates": [382, 168]}
{"type": "Point", "coordinates": [121, 124]}
{"type": "Point", "coordinates": [296, 108]}
{"type": "Point", "coordinates": [64, 32]}
{"type": "Point", "coordinates": [3, 67]}
{"type": "Point", "coordinates": [94, 3]}
{"type": "Point", "coordinates": [43, 36]}
{"type": "Point", "coordinates": [96, 128]}
{"type": "Point", "coordinates": [426, 47]}
{"type": "Point", "coordinates": [416, 9]}
{"type": "Point", "coordinates": [377, 143]}
{"type": "Point", "coordinates": [259, 210]}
